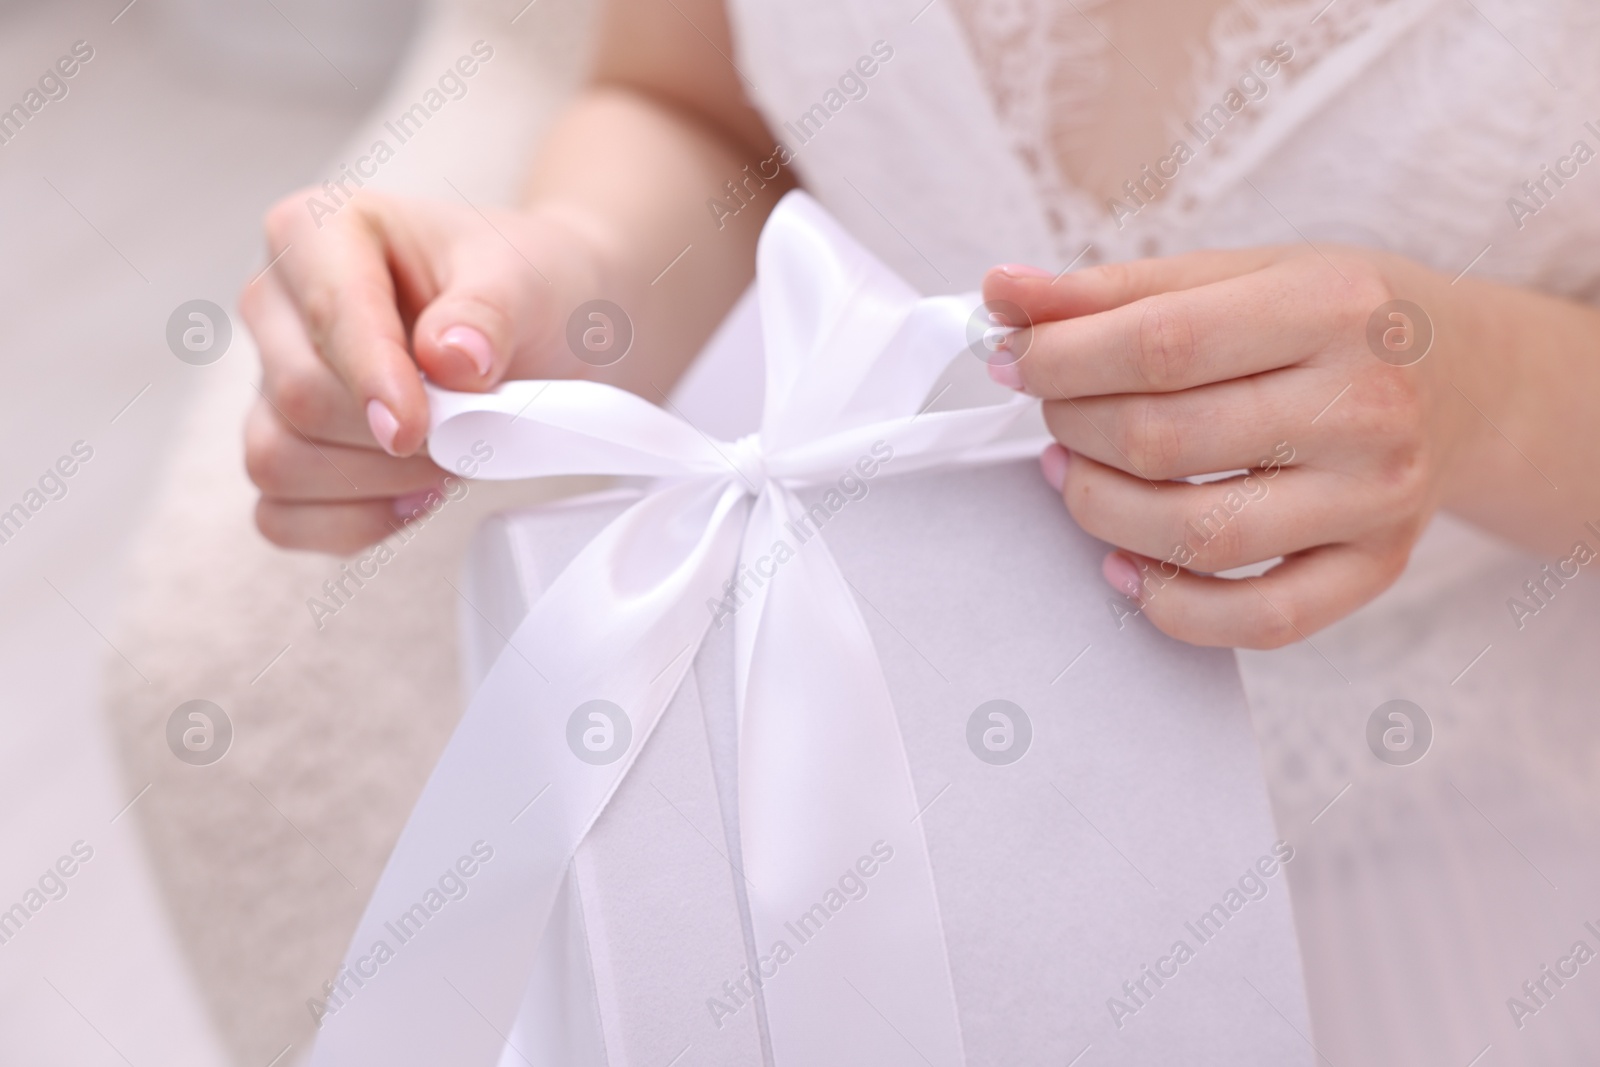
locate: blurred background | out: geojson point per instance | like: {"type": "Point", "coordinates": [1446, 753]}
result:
{"type": "Point", "coordinates": [140, 190]}
{"type": "Point", "coordinates": [211, 895]}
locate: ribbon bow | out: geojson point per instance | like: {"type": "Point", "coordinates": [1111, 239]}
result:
{"type": "Point", "coordinates": [851, 354]}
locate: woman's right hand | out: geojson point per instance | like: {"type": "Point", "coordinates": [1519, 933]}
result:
{"type": "Point", "coordinates": [354, 310]}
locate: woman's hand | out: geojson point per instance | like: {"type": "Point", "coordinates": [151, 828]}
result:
{"type": "Point", "coordinates": [353, 312]}
{"type": "Point", "coordinates": [1255, 361]}
{"type": "Point", "coordinates": [350, 316]}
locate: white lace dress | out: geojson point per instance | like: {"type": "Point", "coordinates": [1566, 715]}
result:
{"type": "Point", "coordinates": [1426, 895]}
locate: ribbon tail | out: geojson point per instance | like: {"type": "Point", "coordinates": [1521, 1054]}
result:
{"type": "Point", "coordinates": [841, 888]}
{"type": "Point", "coordinates": [435, 974]}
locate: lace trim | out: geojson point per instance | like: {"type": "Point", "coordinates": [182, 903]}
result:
{"type": "Point", "coordinates": [1248, 29]}
{"type": "Point", "coordinates": [1045, 68]}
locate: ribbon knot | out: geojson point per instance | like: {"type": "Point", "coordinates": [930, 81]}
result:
{"type": "Point", "coordinates": [749, 463]}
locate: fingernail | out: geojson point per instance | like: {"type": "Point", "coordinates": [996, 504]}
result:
{"type": "Point", "coordinates": [471, 343]}
{"type": "Point", "coordinates": [1121, 572]}
{"type": "Point", "coordinates": [1053, 461]}
{"type": "Point", "coordinates": [1006, 374]}
{"type": "Point", "coordinates": [1023, 271]}
{"type": "Point", "coordinates": [383, 424]}
{"type": "Point", "coordinates": [407, 506]}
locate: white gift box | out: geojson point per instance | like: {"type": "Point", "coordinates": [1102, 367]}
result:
{"type": "Point", "coordinates": [1137, 811]}
{"type": "Point", "coordinates": [826, 745]}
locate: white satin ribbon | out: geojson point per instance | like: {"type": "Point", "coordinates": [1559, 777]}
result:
{"type": "Point", "coordinates": [851, 353]}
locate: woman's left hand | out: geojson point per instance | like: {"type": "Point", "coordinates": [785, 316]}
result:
{"type": "Point", "coordinates": [1348, 413]}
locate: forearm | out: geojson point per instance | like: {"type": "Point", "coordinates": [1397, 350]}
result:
{"type": "Point", "coordinates": [631, 175]}
{"type": "Point", "coordinates": [1530, 470]}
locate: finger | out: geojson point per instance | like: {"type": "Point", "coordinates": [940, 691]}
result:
{"type": "Point", "coordinates": [1180, 340]}
{"type": "Point", "coordinates": [339, 529]}
{"type": "Point", "coordinates": [1287, 604]}
{"type": "Point", "coordinates": [1211, 527]}
{"type": "Point", "coordinates": [338, 278]}
{"type": "Point", "coordinates": [1044, 296]}
{"type": "Point", "coordinates": [1229, 426]}
{"type": "Point", "coordinates": [493, 307]}
{"type": "Point", "coordinates": [295, 381]}
{"type": "Point", "coordinates": [286, 466]}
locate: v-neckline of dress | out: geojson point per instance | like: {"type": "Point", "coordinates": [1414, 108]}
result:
{"type": "Point", "coordinates": [1344, 41]}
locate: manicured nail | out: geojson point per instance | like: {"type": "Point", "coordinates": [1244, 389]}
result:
{"type": "Point", "coordinates": [1006, 374]}
{"type": "Point", "coordinates": [383, 424]}
{"type": "Point", "coordinates": [1053, 461]}
{"type": "Point", "coordinates": [1023, 271]}
{"type": "Point", "coordinates": [1121, 572]}
{"type": "Point", "coordinates": [408, 505]}
{"type": "Point", "coordinates": [471, 343]}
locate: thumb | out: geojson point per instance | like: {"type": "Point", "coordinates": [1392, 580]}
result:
{"type": "Point", "coordinates": [494, 307]}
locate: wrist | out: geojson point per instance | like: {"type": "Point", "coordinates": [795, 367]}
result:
{"type": "Point", "coordinates": [1524, 376]}
{"type": "Point", "coordinates": [578, 259]}
{"type": "Point", "coordinates": [1476, 380]}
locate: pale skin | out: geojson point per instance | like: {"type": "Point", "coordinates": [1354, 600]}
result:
{"type": "Point", "coordinates": [1150, 371]}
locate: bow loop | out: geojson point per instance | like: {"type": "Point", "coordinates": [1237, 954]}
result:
{"type": "Point", "coordinates": [828, 311]}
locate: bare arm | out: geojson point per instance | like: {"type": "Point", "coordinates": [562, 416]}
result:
{"type": "Point", "coordinates": [1530, 469]}
{"type": "Point", "coordinates": [360, 306]}
{"type": "Point", "coordinates": [662, 126]}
